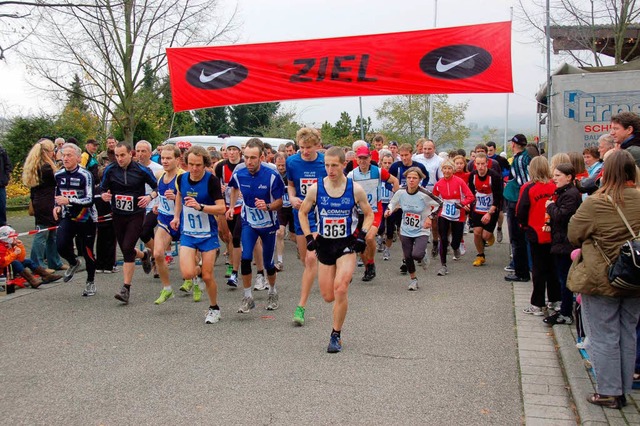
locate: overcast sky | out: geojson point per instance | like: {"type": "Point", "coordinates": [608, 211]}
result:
{"type": "Point", "coordinates": [280, 20]}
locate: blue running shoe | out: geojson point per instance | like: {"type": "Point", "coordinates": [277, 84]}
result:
{"type": "Point", "coordinates": [335, 344]}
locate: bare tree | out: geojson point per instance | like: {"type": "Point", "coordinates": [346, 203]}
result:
{"type": "Point", "coordinates": [14, 15]}
{"type": "Point", "coordinates": [592, 28]}
{"type": "Point", "coordinates": [111, 45]}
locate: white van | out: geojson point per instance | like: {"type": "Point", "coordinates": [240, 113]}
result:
{"type": "Point", "coordinates": [207, 141]}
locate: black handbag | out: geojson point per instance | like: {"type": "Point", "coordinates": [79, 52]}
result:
{"type": "Point", "coordinates": [624, 273]}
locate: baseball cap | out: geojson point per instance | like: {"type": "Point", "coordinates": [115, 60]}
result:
{"type": "Point", "coordinates": [183, 145]}
{"type": "Point", "coordinates": [234, 144]}
{"type": "Point", "coordinates": [393, 143]}
{"type": "Point", "coordinates": [363, 151]}
{"type": "Point", "coordinates": [520, 139]}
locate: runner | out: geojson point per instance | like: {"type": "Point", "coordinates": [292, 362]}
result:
{"type": "Point", "coordinates": [285, 214]}
{"type": "Point", "coordinates": [123, 185]}
{"type": "Point", "coordinates": [486, 184]}
{"type": "Point", "coordinates": [335, 197]}
{"type": "Point", "coordinates": [370, 178]}
{"type": "Point", "coordinates": [165, 234]}
{"type": "Point", "coordinates": [143, 156]}
{"type": "Point", "coordinates": [418, 209]}
{"type": "Point", "coordinates": [386, 192]}
{"type": "Point", "coordinates": [397, 169]}
{"type": "Point", "coordinates": [304, 169]}
{"type": "Point", "coordinates": [224, 171]}
{"type": "Point", "coordinates": [432, 163]}
{"type": "Point", "coordinates": [456, 197]}
{"type": "Point", "coordinates": [261, 188]}
{"type": "Point", "coordinates": [199, 198]}
{"type": "Point", "coordinates": [74, 207]}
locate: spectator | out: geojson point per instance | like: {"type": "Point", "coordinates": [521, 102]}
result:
{"type": "Point", "coordinates": [610, 314]}
{"type": "Point", "coordinates": [625, 129]}
{"type": "Point", "coordinates": [531, 212]}
{"type": "Point", "coordinates": [592, 161]}
{"type": "Point", "coordinates": [89, 158]}
{"type": "Point", "coordinates": [38, 176]}
{"type": "Point", "coordinates": [59, 142]}
{"type": "Point", "coordinates": [519, 176]}
{"type": "Point", "coordinates": [13, 253]}
{"type": "Point", "coordinates": [605, 143]}
{"type": "Point", "coordinates": [108, 156]}
{"type": "Point", "coordinates": [566, 200]}
{"type": "Point", "coordinates": [577, 161]}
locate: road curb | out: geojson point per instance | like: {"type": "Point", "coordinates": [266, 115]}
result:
{"type": "Point", "coordinates": [577, 376]}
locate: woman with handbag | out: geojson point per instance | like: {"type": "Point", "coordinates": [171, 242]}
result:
{"type": "Point", "coordinates": [38, 175]}
{"type": "Point", "coordinates": [610, 313]}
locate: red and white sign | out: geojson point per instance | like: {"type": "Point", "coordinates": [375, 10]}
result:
{"type": "Point", "coordinates": [469, 59]}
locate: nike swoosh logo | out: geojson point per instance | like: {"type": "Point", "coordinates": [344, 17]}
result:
{"type": "Point", "coordinates": [207, 78]}
{"type": "Point", "coordinates": [440, 67]}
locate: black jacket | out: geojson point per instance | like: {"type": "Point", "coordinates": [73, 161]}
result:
{"type": "Point", "coordinates": [633, 146]}
{"type": "Point", "coordinates": [5, 168]}
{"type": "Point", "coordinates": [567, 200]}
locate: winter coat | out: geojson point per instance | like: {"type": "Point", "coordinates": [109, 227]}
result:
{"type": "Point", "coordinates": [43, 197]}
{"type": "Point", "coordinates": [566, 201]}
{"type": "Point", "coordinates": [8, 253]}
{"type": "Point", "coordinates": [633, 146]}
{"type": "Point", "coordinates": [597, 219]}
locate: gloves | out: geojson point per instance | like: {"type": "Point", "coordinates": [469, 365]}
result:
{"type": "Point", "coordinates": [360, 243]}
{"type": "Point", "coordinates": [311, 242]}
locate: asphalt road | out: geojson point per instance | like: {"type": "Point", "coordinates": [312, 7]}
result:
{"type": "Point", "coordinates": [445, 354]}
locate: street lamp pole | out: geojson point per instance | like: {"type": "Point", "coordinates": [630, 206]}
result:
{"type": "Point", "coordinates": [435, 20]}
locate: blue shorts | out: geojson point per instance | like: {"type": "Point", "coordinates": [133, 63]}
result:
{"type": "Point", "coordinates": [164, 223]}
{"type": "Point", "coordinates": [268, 236]}
{"type": "Point", "coordinates": [313, 222]}
{"type": "Point", "coordinates": [202, 244]}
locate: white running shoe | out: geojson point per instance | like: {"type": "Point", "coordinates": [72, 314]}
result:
{"type": "Point", "coordinates": [261, 283]}
{"type": "Point", "coordinates": [413, 285]}
{"type": "Point", "coordinates": [386, 255]}
{"type": "Point", "coordinates": [213, 316]}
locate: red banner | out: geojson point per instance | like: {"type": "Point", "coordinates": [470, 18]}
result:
{"type": "Point", "coordinates": [469, 59]}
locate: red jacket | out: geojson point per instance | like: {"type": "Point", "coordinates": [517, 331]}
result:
{"type": "Point", "coordinates": [8, 253]}
{"type": "Point", "coordinates": [531, 210]}
{"type": "Point", "coordinates": [456, 190]}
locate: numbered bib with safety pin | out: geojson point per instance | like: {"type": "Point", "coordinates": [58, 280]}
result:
{"type": "Point", "coordinates": [411, 220]}
{"type": "Point", "coordinates": [257, 218]}
{"type": "Point", "coordinates": [285, 200]}
{"type": "Point", "coordinates": [69, 193]}
{"type": "Point", "coordinates": [124, 202]}
{"type": "Point", "coordinates": [483, 202]}
{"type": "Point", "coordinates": [227, 197]}
{"type": "Point", "coordinates": [195, 223]}
{"type": "Point", "coordinates": [334, 227]}
{"type": "Point", "coordinates": [385, 194]}
{"type": "Point", "coordinates": [305, 184]}
{"type": "Point", "coordinates": [450, 210]}
{"type": "Point", "coordinates": [166, 206]}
